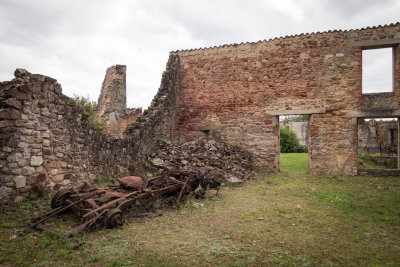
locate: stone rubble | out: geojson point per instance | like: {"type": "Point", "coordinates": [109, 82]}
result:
{"type": "Point", "coordinates": [230, 164]}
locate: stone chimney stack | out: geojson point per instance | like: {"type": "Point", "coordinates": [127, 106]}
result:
{"type": "Point", "coordinates": [113, 92]}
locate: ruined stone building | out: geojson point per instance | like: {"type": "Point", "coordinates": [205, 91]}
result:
{"type": "Point", "coordinates": [111, 106]}
{"type": "Point", "coordinates": [377, 136]}
{"type": "Point", "coordinates": [234, 93]}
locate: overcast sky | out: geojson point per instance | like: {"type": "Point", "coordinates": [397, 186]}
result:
{"type": "Point", "coordinates": [75, 41]}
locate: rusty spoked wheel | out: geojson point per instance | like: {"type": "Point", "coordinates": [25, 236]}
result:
{"type": "Point", "coordinates": [113, 218]}
{"type": "Point", "coordinates": [59, 198]}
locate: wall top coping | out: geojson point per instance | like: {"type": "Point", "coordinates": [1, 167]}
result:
{"type": "Point", "coordinates": [286, 37]}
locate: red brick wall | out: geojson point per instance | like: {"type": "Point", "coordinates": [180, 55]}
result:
{"type": "Point", "coordinates": [234, 86]}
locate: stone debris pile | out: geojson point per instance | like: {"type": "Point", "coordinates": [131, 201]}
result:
{"type": "Point", "coordinates": [225, 162]}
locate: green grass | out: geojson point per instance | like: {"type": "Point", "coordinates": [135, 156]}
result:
{"type": "Point", "coordinates": [276, 220]}
{"type": "Point", "coordinates": [294, 163]}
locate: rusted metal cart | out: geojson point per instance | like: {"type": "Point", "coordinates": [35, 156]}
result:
{"type": "Point", "coordinates": [105, 205]}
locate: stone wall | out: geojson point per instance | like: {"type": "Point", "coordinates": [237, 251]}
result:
{"type": "Point", "coordinates": [113, 91]}
{"type": "Point", "coordinates": [129, 116]}
{"type": "Point", "coordinates": [111, 106]}
{"type": "Point", "coordinates": [241, 89]}
{"type": "Point", "coordinates": [377, 137]}
{"type": "Point", "coordinates": [47, 143]}
{"type": "Point", "coordinates": [300, 128]}
{"type": "Point", "coordinates": [368, 141]}
{"type": "Point", "coordinates": [387, 131]}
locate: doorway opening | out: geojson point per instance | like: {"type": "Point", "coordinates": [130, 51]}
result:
{"type": "Point", "coordinates": [378, 143]}
{"type": "Point", "coordinates": [293, 143]}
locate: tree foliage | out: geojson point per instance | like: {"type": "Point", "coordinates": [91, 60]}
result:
{"type": "Point", "coordinates": [89, 108]}
{"type": "Point", "coordinates": [289, 141]}
{"type": "Point", "coordinates": [292, 118]}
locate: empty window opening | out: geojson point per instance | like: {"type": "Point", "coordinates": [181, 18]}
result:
{"type": "Point", "coordinates": [294, 133]}
{"type": "Point", "coordinates": [377, 70]}
{"type": "Point", "coordinates": [393, 136]}
{"type": "Point", "coordinates": [377, 143]}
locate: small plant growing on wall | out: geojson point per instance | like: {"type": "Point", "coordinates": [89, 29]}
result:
{"type": "Point", "coordinates": [89, 108]}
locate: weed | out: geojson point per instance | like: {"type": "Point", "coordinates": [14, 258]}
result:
{"type": "Point", "coordinates": [101, 181]}
{"type": "Point", "coordinates": [5, 225]}
{"type": "Point", "coordinates": [44, 241]}
{"type": "Point", "coordinates": [141, 171]}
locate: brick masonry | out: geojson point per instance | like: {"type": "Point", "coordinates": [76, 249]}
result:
{"type": "Point", "coordinates": [233, 87]}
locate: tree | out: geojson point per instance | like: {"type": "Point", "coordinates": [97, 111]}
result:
{"type": "Point", "coordinates": [289, 141]}
{"type": "Point", "coordinates": [291, 118]}
{"type": "Point", "coordinates": [89, 108]}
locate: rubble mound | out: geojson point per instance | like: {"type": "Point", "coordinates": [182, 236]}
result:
{"type": "Point", "coordinates": [228, 163]}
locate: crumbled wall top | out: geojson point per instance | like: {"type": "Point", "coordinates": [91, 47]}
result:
{"type": "Point", "coordinates": [113, 91]}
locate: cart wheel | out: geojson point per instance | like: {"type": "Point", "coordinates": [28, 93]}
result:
{"type": "Point", "coordinates": [113, 218]}
{"type": "Point", "coordinates": [59, 198]}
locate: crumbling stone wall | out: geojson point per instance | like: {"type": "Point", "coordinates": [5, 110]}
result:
{"type": "Point", "coordinates": [112, 100]}
{"type": "Point", "coordinates": [113, 91]}
{"type": "Point", "coordinates": [241, 89]}
{"type": "Point", "coordinates": [130, 116]}
{"type": "Point", "coordinates": [111, 106]}
{"type": "Point", "coordinates": [377, 137]}
{"type": "Point", "coordinates": [46, 142]}
{"type": "Point", "coordinates": [368, 141]}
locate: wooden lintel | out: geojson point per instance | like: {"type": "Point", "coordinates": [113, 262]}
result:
{"type": "Point", "coordinates": [296, 112]}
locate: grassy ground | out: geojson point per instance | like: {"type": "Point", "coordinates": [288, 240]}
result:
{"type": "Point", "coordinates": [276, 220]}
{"type": "Point", "coordinates": [294, 163]}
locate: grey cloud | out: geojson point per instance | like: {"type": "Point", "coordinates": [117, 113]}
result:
{"type": "Point", "coordinates": [350, 8]}
{"type": "Point", "coordinates": [75, 41]}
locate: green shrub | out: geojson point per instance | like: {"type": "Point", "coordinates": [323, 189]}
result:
{"type": "Point", "coordinates": [89, 108]}
{"type": "Point", "coordinates": [290, 142]}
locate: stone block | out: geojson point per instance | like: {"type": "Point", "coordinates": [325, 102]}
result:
{"type": "Point", "coordinates": [13, 102]}
{"type": "Point", "coordinates": [19, 198]}
{"type": "Point", "coordinates": [5, 191]}
{"type": "Point", "coordinates": [92, 176]}
{"type": "Point", "coordinates": [36, 160]}
{"type": "Point", "coordinates": [21, 73]}
{"type": "Point", "coordinates": [20, 181]}
{"type": "Point", "coordinates": [6, 123]}
{"type": "Point", "coordinates": [65, 182]}
{"type": "Point", "coordinates": [39, 169]}
{"type": "Point", "coordinates": [13, 114]}
{"type": "Point", "coordinates": [58, 178]}
{"type": "Point", "coordinates": [27, 170]}
{"type": "Point", "coordinates": [23, 144]}
{"type": "Point", "coordinates": [15, 171]}
{"type": "Point", "coordinates": [22, 162]}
